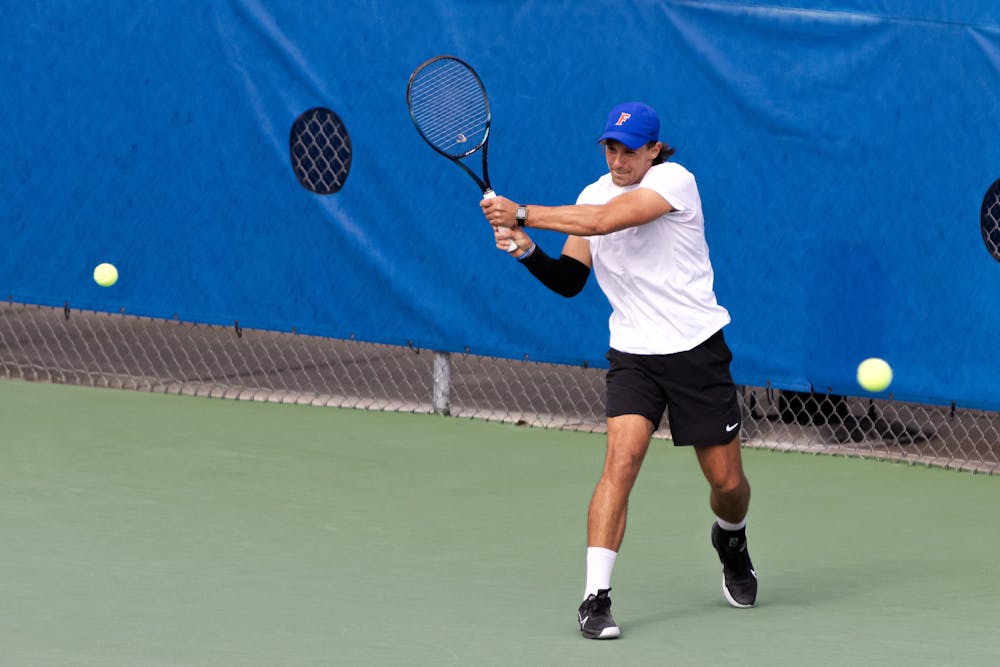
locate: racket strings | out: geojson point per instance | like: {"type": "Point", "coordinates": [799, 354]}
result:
{"type": "Point", "coordinates": [450, 108]}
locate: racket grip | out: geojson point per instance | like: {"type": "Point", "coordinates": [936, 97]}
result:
{"type": "Point", "coordinates": [489, 194]}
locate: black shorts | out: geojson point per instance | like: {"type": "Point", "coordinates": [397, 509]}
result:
{"type": "Point", "coordinates": [694, 387]}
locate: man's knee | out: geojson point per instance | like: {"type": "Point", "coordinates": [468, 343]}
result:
{"type": "Point", "coordinates": [731, 485]}
{"type": "Point", "coordinates": [628, 441]}
{"type": "Point", "coordinates": [623, 465]}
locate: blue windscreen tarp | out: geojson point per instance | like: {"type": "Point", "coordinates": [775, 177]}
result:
{"type": "Point", "coordinates": [842, 149]}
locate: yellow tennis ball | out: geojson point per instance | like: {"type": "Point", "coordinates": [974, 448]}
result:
{"type": "Point", "coordinates": [105, 274]}
{"type": "Point", "coordinates": [874, 374]}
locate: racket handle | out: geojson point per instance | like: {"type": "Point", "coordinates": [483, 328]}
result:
{"type": "Point", "coordinates": [489, 194]}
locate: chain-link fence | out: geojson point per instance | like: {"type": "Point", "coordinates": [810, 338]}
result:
{"type": "Point", "coordinates": [989, 219]}
{"type": "Point", "coordinates": [61, 345]}
{"type": "Point", "coordinates": [320, 150]}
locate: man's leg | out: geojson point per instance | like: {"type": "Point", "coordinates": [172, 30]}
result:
{"type": "Point", "coordinates": [722, 466]}
{"type": "Point", "coordinates": [628, 441]}
{"type": "Point", "coordinates": [730, 490]}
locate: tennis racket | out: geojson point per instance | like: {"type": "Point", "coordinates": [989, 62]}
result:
{"type": "Point", "coordinates": [320, 151]}
{"type": "Point", "coordinates": [989, 219]}
{"type": "Point", "coordinates": [451, 111]}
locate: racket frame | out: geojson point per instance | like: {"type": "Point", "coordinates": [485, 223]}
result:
{"type": "Point", "coordinates": [483, 145]}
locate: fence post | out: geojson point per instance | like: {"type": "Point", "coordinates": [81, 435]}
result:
{"type": "Point", "coordinates": [442, 383]}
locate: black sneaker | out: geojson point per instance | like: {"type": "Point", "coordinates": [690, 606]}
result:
{"type": "Point", "coordinates": [595, 616]}
{"type": "Point", "coordinates": [739, 581]}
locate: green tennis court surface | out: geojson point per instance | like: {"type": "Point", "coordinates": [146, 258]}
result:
{"type": "Point", "coordinates": [143, 529]}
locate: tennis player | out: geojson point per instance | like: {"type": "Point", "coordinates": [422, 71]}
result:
{"type": "Point", "coordinates": [640, 227]}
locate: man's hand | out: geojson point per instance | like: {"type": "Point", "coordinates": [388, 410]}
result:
{"type": "Point", "coordinates": [504, 235]}
{"type": "Point", "coordinates": [499, 211]}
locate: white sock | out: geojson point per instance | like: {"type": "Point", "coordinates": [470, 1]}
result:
{"type": "Point", "coordinates": [732, 527]}
{"type": "Point", "coordinates": [600, 562]}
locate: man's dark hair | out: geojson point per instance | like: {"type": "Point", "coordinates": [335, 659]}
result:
{"type": "Point", "coordinates": [665, 153]}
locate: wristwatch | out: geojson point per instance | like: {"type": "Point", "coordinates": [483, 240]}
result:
{"type": "Point", "coordinates": [522, 215]}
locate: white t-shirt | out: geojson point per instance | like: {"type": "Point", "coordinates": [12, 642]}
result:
{"type": "Point", "coordinates": [657, 276]}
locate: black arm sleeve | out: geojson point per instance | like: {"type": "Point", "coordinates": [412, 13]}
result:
{"type": "Point", "coordinates": [565, 276]}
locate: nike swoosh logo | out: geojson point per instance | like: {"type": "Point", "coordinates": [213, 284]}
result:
{"type": "Point", "coordinates": [731, 427]}
{"type": "Point", "coordinates": [584, 619]}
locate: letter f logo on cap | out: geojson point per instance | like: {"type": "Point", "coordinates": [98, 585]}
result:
{"type": "Point", "coordinates": [622, 118]}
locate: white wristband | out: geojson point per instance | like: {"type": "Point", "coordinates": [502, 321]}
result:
{"type": "Point", "coordinates": [526, 254]}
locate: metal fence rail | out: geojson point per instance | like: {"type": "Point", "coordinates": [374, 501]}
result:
{"type": "Point", "coordinates": [61, 345]}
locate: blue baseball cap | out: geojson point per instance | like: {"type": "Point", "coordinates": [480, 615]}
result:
{"type": "Point", "coordinates": [633, 123]}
